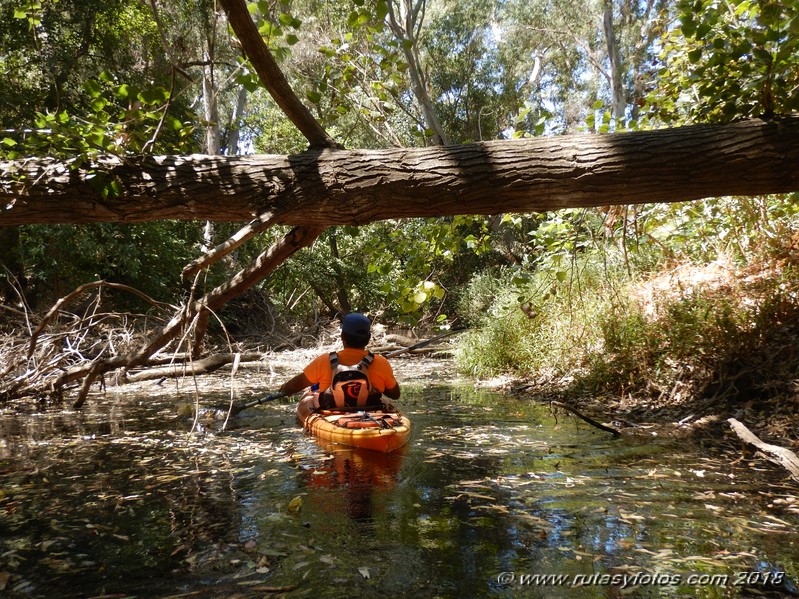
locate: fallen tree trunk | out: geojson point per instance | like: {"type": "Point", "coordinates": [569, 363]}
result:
{"type": "Point", "coordinates": [325, 187]}
{"type": "Point", "coordinates": [33, 376]}
{"type": "Point", "coordinates": [774, 453]}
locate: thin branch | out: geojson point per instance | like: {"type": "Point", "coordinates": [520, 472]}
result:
{"type": "Point", "coordinates": [590, 421]}
{"type": "Point", "coordinates": [76, 292]}
{"type": "Point", "coordinates": [263, 222]}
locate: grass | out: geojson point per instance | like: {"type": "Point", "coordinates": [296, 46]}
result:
{"type": "Point", "coordinates": [688, 331]}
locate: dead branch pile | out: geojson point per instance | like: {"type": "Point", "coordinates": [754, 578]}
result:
{"type": "Point", "coordinates": [67, 351]}
{"type": "Point", "coordinates": [65, 341]}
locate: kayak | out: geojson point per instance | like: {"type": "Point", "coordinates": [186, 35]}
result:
{"type": "Point", "coordinates": [379, 430]}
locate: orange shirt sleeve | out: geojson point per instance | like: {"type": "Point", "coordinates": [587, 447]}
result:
{"type": "Point", "coordinates": [318, 372]}
{"type": "Point", "coordinates": [381, 375]}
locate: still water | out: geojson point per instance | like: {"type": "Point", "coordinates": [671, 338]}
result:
{"type": "Point", "coordinates": [493, 497]}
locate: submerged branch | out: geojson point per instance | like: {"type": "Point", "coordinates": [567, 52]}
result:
{"type": "Point", "coordinates": [774, 453]}
{"type": "Point", "coordinates": [590, 421]}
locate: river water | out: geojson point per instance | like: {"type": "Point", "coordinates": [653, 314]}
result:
{"type": "Point", "coordinates": [495, 496]}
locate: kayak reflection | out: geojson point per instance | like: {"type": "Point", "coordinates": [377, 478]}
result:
{"type": "Point", "coordinates": [358, 474]}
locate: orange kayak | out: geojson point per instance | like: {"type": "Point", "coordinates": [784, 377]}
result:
{"type": "Point", "coordinates": [378, 430]}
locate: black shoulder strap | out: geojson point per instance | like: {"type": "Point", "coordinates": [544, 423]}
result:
{"type": "Point", "coordinates": [333, 360]}
{"type": "Point", "coordinates": [366, 361]}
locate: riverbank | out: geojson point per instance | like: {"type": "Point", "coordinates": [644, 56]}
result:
{"type": "Point", "coordinates": [679, 351]}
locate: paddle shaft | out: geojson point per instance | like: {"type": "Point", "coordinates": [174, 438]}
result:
{"type": "Point", "coordinates": [255, 402]}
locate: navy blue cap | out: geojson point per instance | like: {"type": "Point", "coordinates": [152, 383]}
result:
{"type": "Point", "coordinates": [356, 325]}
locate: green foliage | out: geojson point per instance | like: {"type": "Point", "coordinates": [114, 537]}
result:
{"type": "Point", "coordinates": [538, 324]}
{"type": "Point", "coordinates": [57, 258]}
{"type": "Point", "coordinates": [360, 78]}
{"type": "Point", "coordinates": [87, 77]}
{"type": "Point", "coordinates": [122, 120]}
{"type": "Point", "coordinates": [741, 229]}
{"type": "Point", "coordinates": [729, 60]}
{"type": "Point", "coordinates": [736, 340]}
{"type": "Point", "coordinates": [278, 27]}
{"type": "Point", "coordinates": [268, 129]}
{"type": "Point", "coordinates": [606, 318]}
{"type": "Point", "coordinates": [400, 270]}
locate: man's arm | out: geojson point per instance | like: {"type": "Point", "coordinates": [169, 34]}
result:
{"type": "Point", "coordinates": [393, 392]}
{"type": "Point", "coordinates": [295, 385]}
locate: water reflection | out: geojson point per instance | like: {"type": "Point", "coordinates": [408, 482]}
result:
{"type": "Point", "coordinates": [121, 499]}
{"type": "Point", "coordinates": [355, 476]}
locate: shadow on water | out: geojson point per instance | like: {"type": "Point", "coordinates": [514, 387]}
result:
{"type": "Point", "coordinates": [493, 497]}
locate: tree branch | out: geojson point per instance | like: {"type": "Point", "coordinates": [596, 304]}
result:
{"type": "Point", "coordinates": [272, 77]}
{"type": "Point", "coordinates": [263, 222]}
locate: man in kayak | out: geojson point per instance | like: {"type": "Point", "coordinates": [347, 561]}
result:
{"type": "Point", "coordinates": [355, 335]}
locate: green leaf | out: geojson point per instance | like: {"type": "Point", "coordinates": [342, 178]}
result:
{"type": "Point", "coordinates": [695, 55]}
{"type": "Point", "coordinates": [313, 96]}
{"type": "Point", "coordinates": [93, 87]}
{"type": "Point", "coordinates": [687, 25]}
{"type": "Point", "coordinates": [154, 95]}
{"type": "Point", "coordinates": [125, 91]}
{"type": "Point", "coordinates": [770, 14]}
{"type": "Point", "coordinates": [381, 10]}
{"type": "Point", "coordinates": [98, 104]}
{"type": "Point", "coordinates": [175, 123]}
{"type": "Point", "coordinates": [763, 56]}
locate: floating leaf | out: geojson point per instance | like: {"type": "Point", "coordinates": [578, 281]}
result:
{"type": "Point", "coordinates": [295, 505]}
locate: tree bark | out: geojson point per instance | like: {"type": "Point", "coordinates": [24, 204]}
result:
{"type": "Point", "coordinates": [406, 30]}
{"type": "Point", "coordinates": [774, 453]}
{"type": "Point", "coordinates": [340, 187]}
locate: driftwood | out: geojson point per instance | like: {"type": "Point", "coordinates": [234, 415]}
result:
{"type": "Point", "coordinates": [196, 367]}
{"type": "Point", "coordinates": [591, 421]}
{"type": "Point", "coordinates": [773, 453]}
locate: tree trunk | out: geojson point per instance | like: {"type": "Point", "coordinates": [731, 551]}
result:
{"type": "Point", "coordinates": [88, 372]}
{"type": "Point", "coordinates": [341, 187]}
{"type": "Point", "coordinates": [341, 287]}
{"type": "Point", "coordinates": [271, 76]}
{"type": "Point", "coordinates": [618, 97]}
{"type": "Point", "coordinates": [406, 30]}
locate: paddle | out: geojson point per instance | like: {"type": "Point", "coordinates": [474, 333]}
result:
{"type": "Point", "coordinates": [236, 410]}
